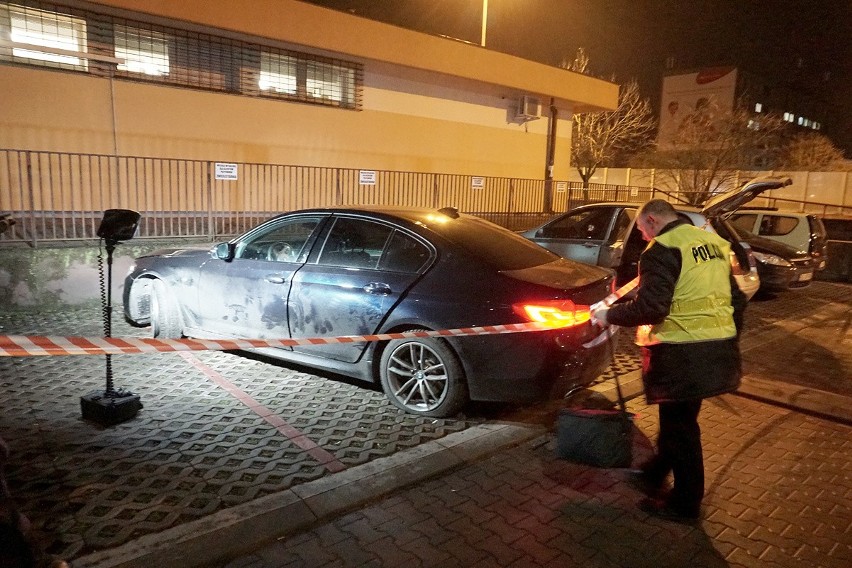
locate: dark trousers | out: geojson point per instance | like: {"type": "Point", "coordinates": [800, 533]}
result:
{"type": "Point", "coordinates": [679, 452]}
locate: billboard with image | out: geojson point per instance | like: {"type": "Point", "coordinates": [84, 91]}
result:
{"type": "Point", "coordinates": [683, 93]}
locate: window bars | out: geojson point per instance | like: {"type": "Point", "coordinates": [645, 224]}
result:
{"type": "Point", "coordinates": [36, 33]}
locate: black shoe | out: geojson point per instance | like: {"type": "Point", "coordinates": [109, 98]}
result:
{"type": "Point", "coordinates": [638, 479]}
{"type": "Point", "coordinates": [664, 510]}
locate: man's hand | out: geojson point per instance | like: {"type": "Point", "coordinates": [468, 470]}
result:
{"type": "Point", "coordinates": [599, 314]}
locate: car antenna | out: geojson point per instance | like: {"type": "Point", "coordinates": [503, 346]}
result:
{"type": "Point", "coordinates": [451, 212]}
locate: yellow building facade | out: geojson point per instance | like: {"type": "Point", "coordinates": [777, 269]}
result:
{"type": "Point", "coordinates": [394, 100]}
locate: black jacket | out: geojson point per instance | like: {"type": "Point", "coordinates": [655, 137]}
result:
{"type": "Point", "coordinates": [678, 371]}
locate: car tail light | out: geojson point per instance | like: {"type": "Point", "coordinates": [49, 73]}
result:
{"type": "Point", "coordinates": [737, 267]}
{"type": "Point", "coordinates": [554, 313]}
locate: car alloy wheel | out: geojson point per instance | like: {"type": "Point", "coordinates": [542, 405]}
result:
{"type": "Point", "coordinates": [423, 376]}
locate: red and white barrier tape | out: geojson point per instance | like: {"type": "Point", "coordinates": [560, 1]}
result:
{"type": "Point", "coordinates": [620, 293]}
{"type": "Point", "coordinates": [35, 345]}
{"type": "Point", "coordinates": [41, 345]}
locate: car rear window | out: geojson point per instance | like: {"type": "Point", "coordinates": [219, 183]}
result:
{"type": "Point", "coordinates": [499, 247]}
{"type": "Point", "coordinates": [777, 225]}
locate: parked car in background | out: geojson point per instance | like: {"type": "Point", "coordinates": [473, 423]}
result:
{"type": "Point", "coordinates": [361, 271]}
{"type": "Point", "coordinates": [612, 239]}
{"type": "Point", "coordinates": [839, 230]}
{"type": "Point", "coordinates": [779, 265]}
{"type": "Point", "coordinates": [604, 234]}
{"type": "Point", "coordinates": [802, 231]}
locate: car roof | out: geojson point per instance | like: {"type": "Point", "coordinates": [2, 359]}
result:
{"type": "Point", "coordinates": [681, 208]}
{"type": "Point", "coordinates": [413, 214]}
{"type": "Point", "coordinates": [746, 210]}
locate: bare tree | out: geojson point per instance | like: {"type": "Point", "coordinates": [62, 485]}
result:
{"type": "Point", "coordinates": [812, 152]}
{"type": "Point", "coordinates": [580, 63]}
{"type": "Point", "coordinates": [711, 144]}
{"type": "Point", "coordinates": [600, 138]}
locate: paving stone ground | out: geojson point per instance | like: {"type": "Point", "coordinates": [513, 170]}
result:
{"type": "Point", "coordinates": [779, 494]}
{"type": "Point", "coordinates": [778, 480]}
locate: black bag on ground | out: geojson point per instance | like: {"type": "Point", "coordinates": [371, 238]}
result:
{"type": "Point", "coordinates": [602, 438]}
{"type": "Point", "coordinates": [598, 437]}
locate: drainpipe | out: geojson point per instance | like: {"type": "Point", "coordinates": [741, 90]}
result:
{"type": "Point", "coordinates": [551, 151]}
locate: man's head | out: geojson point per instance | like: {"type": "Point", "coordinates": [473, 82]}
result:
{"type": "Point", "coordinates": [653, 216]}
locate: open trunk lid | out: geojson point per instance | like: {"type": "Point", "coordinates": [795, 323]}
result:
{"type": "Point", "coordinates": [730, 201]}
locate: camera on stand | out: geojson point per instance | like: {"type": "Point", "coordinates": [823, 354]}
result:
{"type": "Point", "coordinates": [111, 405]}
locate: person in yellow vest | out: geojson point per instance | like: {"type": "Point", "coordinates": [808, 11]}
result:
{"type": "Point", "coordinates": [688, 311]}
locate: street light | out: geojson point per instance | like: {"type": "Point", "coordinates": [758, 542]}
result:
{"type": "Point", "coordinates": [484, 21]}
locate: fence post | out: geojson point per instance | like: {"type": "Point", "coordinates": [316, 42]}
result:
{"type": "Point", "coordinates": [211, 220]}
{"type": "Point", "coordinates": [435, 190]}
{"type": "Point", "coordinates": [32, 200]}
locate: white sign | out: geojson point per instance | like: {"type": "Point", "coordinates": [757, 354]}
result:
{"type": "Point", "coordinates": [477, 182]}
{"type": "Point", "coordinates": [367, 177]}
{"type": "Point", "coordinates": [634, 191]}
{"type": "Point", "coordinates": [226, 171]}
{"type": "Point", "coordinates": [561, 186]}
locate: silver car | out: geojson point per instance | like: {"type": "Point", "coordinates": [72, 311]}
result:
{"type": "Point", "coordinates": [603, 234]}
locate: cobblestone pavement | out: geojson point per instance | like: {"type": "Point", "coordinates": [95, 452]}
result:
{"type": "Point", "coordinates": [217, 430]}
{"type": "Point", "coordinates": [779, 494]}
{"type": "Point", "coordinates": [200, 445]}
{"type": "Point", "coordinates": [803, 337]}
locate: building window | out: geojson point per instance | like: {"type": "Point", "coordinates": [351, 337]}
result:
{"type": "Point", "coordinates": [143, 51]}
{"type": "Point", "coordinates": [105, 45]}
{"type": "Point", "coordinates": [277, 73]}
{"type": "Point", "coordinates": [758, 107]}
{"type": "Point", "coordinates": [330, 83]}
{"type": "Point", "coordinates": [61, 37]}
{"type": "Point", "coordinates": [296, 76]}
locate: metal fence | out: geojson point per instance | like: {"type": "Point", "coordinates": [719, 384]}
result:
{"type": "Point", "coordinates": [55, 197]}
{"type": "Point", "coordinates": [60, 197]}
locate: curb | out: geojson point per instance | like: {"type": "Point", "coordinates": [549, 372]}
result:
{"type": "Point", "coordinates": [824, 404]}
{"type": "Point", "coordinates": [250, 525]}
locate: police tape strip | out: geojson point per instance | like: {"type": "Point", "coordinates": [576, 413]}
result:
{"type": "Point", "coordinates": [45, 345]}
{"type": "Point", "coordinates": [41, 345]}
{"type": "Point", "coordinates": [620, 293]}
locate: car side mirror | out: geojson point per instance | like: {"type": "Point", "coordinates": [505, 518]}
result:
{"type": "Point", "coordinates": [225, 251]}
{"type": "Point", "coordinates": [539, 234]}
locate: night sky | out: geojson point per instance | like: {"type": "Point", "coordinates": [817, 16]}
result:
{"type": "Point", "coordinates": [804, 44]}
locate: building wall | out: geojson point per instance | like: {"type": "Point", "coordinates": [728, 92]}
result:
{"type": "Point", "coordinates": [419, 112]}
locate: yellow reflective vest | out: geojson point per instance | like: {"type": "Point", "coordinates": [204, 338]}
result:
{"type": "Point", "coordinates": [701, 305]}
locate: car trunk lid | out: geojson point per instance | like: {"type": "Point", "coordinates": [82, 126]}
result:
{"type": "Point", "coordinates": [730, 201]}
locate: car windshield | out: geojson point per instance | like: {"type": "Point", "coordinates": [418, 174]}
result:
{"type": "Point", "coordinates": [499, 247]}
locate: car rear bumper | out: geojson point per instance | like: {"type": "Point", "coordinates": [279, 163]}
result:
{"type": "Point", "coordinates": [776, 279]}
{"type": "Point", "coordinates": [532, 366]}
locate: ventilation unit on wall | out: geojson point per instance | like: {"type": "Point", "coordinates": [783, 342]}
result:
{"type": "Point", "coordinates": [529, 108]}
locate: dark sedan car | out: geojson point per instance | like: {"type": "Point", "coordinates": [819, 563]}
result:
{"type": "Point", "coordinates": [779, 266]}
{"type": "Point", "coordinates": [358, 271]}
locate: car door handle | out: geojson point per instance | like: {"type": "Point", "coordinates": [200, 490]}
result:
{"type": "Point", "coordinates": [590, 245]}
{"type": "Point", "coordinates": [275, 279]}
{"type": "Point", "coordinates": [378, 288]}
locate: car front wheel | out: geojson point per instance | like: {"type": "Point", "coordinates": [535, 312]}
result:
{"type": "Point", "coordinates": [165, 313]}
{"type": "Point", "coordinates": [423, 376]}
